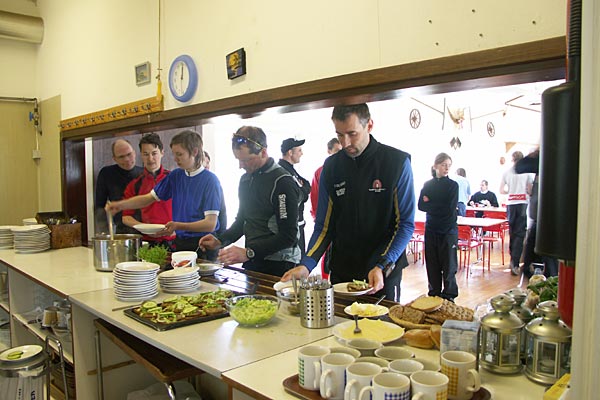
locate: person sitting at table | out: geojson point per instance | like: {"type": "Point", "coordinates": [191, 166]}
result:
{"type": "Point", "coordinates": [438, 199]}
{"type": "Point", "coordinates": [483, 198]}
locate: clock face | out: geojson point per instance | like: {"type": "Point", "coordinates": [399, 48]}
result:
{"type": "Point", "coordinates": [183, 78]}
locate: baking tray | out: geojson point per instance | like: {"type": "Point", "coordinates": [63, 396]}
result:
{"type": "Point", "coordinates": [159, 326]}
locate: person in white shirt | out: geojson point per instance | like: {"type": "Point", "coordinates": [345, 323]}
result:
{"type": "Point", "coordinates": [517, 186]}
{"type": "Point", "coordinates": [464, 191]}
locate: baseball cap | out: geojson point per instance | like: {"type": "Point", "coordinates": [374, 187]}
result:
{"type": "Point", "coordinates": [290, 143]}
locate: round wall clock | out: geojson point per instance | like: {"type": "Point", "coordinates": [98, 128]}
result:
{"type": "Point", "coordinates": [183, 78]}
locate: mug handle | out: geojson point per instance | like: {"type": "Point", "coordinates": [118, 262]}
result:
{"type": "Point", "coordinates": [317, 366]}
{"type": "Point", "coordinates": [476, 381]}
{"type": "Point", "coordinates": [364, 391]}
{"type": "Point", "coordinates": [418, 396]}
{"type": "Point", "coordinates": [324, 391]}
{"type": "Point", "coordinates": [348, 391]}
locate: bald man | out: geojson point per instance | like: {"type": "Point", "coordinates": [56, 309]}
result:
{"type": "Point", "coordinates": [111, 183]}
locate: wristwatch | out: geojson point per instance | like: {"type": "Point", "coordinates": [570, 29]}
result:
{"type": "Point", "coordinates": [386, 267]}
{"type": "Point", "coordinates": [249, 253]}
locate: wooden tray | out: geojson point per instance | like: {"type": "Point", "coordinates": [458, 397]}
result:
{"type": "Point", "coordinates": [292, 386]}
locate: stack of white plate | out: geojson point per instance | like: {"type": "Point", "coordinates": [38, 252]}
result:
{"type": "Point", "coordinates": [179, 280]}
{"type": "Point", "coordinates": [6, 237]}
{"type": "Point", "coordinates": [31, 238]}
{"type": "Point", "coordinates": [30, 221]}
{"type": "Point", "coordinates": [135, 280]}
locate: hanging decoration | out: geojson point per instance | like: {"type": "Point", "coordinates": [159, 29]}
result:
{"type": "Point", "coordinates": [491, 129]}
{"type": "Point", "coordinates": [455, 143]}
{"type": "Point", "coordinates": [414, 118]}
{"type": "Point", "coordinates": [458, 116]}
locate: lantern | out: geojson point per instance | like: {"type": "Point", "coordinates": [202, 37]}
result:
{"type": "Point", "coordinates": [501, 337]}
{"type": "Point", "coordinates": [548, 345]}
{"type": "Point", "coordinates": [523, 313]}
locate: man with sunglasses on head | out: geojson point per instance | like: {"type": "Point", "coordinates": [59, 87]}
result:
{"type": "Point", "coordinates": [268, 213]}
{"type": "Point", "coordinates": [365, 210]}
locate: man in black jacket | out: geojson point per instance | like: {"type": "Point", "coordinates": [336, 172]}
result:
{"type": "Point", "coordinates": [291, 151]}
{"type": "Point", "coordinates": [365, 210]}
{"type": "Point", "coordinates": [268, 212]}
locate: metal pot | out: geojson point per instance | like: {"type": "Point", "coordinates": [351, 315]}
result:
{"type": "Point", "coordinates": [109, 252]}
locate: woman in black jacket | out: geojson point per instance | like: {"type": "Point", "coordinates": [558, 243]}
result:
{"type": "Point", "coordinates": [439, 198]}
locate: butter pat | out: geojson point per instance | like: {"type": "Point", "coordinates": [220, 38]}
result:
{"type": "Point", "coordinates": [460, 335]}
{"type": "Point", "coordinates": [560, 389]}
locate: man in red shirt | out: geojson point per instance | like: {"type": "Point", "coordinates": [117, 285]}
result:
{"type": "Point", "coordinates": [159, 212]}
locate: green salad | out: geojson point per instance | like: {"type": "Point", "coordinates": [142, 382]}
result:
{"type": "Point", "coordinates": [253, 311]}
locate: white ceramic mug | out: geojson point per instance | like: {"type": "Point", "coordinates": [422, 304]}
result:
{"type": "Point", "coordinates": [392, 353]}
{"type": "Point", "coordinates": [428, 365]}
{"type": "Point", "coordinates": [359, 375]}
{"type": "Point", "coordinates": [387, 385]}
{"type": "Point", "coordinates": [180, 256]}
{"type": "Point", "coordinates": [347, 350]}
{"type": "Point", "coordinates": [366, 347]}
{"type": "Point", "coordinates": [463, 378]}
{"type": "Point", "coordinates": [309, 366]}
{"type": "Point", "coordinates": [429, 385]}
{"type": "Point", "coordinates": [405, 366]}
{"type": "Point", "coordinates": [383, 363]}
{"type": "Point", "coordinates": [333, 375]}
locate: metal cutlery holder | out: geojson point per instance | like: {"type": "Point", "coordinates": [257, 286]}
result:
{"type": "Point", "coordinates": [317, 308]}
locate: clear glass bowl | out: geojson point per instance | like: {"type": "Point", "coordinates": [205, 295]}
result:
{"type": "Point", "coordinates": [253, 310]}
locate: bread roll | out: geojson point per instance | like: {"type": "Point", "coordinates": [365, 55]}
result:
{"type": "Point", "coordinates": [418, 338]}
{"type": "Point", "coordinates": [436, 333]}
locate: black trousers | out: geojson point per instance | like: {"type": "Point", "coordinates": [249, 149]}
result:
{"type": "Point", "coordinates": [442, 264]}
{"type": "Point", "coordinates": [517, 228]}
{"type": "Point", "coordinates": [529, 256]}
{"type": "Point", "coordinates": [191, 244]}
{"type": "Point", "coordinates": [277, 268]}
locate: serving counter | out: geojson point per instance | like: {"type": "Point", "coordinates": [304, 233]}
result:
{"type": "Point", "coordinates": [239, 362]}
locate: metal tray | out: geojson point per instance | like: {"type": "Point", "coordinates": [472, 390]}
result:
{"type": "Point", "coordinates": [159, 326]}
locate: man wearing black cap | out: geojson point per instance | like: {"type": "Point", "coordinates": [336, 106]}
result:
{"type": "Point", "coordinates": [291, 151]}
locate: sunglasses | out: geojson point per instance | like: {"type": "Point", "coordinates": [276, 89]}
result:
{"type": "Point", "coordinates": [244, 140]}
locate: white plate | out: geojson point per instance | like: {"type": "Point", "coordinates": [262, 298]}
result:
{"type": "Point", "coordinates": [379, 311]}
{"type": "Point", "coordinates": [376, 329]}
{"type": "Point", "coordinates": [342, 288]}
{"type": "Point", "coordinates": [279, 286]}
{"type": "Point", "coordinates": [29, 350]}
{"type": "Point", "coordinates": [149, 229]}
{"type": "Point", "coordinates": [137, 266]}
{"type": "Point", "coordinates": [206, 269]}
{"type": "Point", "coordinates": [181, 290]}
{"type": "Point", "coordinates": [177, 272]}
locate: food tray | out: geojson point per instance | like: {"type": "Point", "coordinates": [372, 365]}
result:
{"type": "Point", "coordinates": [159, 326]}
{"type": "Point", "coordinates": [292, 386]}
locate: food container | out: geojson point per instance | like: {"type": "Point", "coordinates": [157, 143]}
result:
{"type": "Point", "coordinates": [25, 377]}
{"type": "Point", "coordinates": [252, 310]}
{"type": "Point", "coordinates": [109, 252]}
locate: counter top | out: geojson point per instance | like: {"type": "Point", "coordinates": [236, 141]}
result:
{"type": "Point", "coordinates": [213, 346]}
{"type": "Point", "coordinates": [63, 271]}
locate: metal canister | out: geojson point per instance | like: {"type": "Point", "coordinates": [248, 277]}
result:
{"type": "Point", "coordinates": [25, 377]}
{"type": "Point", "coordinates": [317, 308]}
{"type": "Point", "coordinates": [109, 252]}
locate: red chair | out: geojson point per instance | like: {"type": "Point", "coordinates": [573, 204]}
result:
{"type": "Point", "coordinates": [467, 240]}
{"type": "Point", "coordinates": [495, 233]}
{"type": "Point", "coordinates": [470, 213]}
{"type": "Point", "coordinates": [418, 241]}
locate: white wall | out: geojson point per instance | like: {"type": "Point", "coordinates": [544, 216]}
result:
{"type": "Point", "coordinates": [90, 47]}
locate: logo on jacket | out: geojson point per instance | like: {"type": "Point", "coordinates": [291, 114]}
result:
{"type": "Point", "coordinates": [376, 186]}
{"type": "Point", "coordinates": [282, 207]}
{"type": "Point", "coordinates": [340, 188]}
